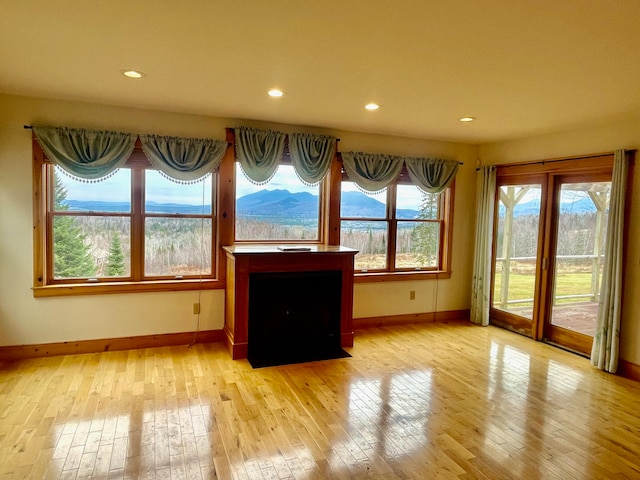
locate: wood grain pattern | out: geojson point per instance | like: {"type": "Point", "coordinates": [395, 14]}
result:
{"type": "Point", "coordinates": [20, 352]}
{"type": "Point", "coordinates": [441, 401]}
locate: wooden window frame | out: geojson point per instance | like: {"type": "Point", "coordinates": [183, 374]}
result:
{"type": "Point", "coordinates": [45, 285]}
{"type": "Point", "coordinates": [223, 216]}
{"type": "Point", "coordinates": [322, 211]}
{"type": "Point", "coordinates": [392, 273]}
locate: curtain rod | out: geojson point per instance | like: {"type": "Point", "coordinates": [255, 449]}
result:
{"type": "Point", "coordinates": [554, 160]}
{"type": "Point", "coordinates": [232, 130]}
{"type": "Point", "coordinates": [340, 158]}
{"type": "Point", "coordinates": [30, 127]}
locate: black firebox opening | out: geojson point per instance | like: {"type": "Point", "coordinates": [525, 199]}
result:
{"type": "Point", "coordinates": [294, 317]}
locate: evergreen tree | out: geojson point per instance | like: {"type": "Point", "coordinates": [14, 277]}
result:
{"type": "Point", "coordinates": [71, 257]}
{"type": "Point", "coordinates": [425, 235]}
{"type": "Point", "coordinates": [115, 262]}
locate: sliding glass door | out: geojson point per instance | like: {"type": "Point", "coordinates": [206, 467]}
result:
{"type": "Point", "coordinates": [549, 249]}
{"type": "Point", "coordinates": [581, 207]}
{"type": "Point", "coordinates": [517, 248]}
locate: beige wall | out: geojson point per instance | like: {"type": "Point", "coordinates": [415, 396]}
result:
{"type": "Point", "coordinates": [27, 320]}
{"type": "Point", "coordinates": [595, 139]}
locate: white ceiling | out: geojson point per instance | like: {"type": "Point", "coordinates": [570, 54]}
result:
{"type": "Point", "coordinates": [521, 67]}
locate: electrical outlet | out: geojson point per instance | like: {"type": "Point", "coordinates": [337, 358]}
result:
{"type": "Point", "coordinates": [196, 308]}
{"type": "Point", "coordinates": [412, 294]}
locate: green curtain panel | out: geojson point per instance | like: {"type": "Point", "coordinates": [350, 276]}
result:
{"type": "Point", "coordinates": [604, 351]}
{"type": "Point", "coordinates": [86, 154]}
{"type": "Point", "coordinates": [311, 155]}
{"type": "Point", "coordinates": [259, 152]}
{"type": "Point", "coordinates": [183, 159]}
{"type": "Point", "coordinates": [481, 282]}
{"type": "Point", "coordinates": [432, 175]}
{"type": "Point", "coordinates": [372, 171]}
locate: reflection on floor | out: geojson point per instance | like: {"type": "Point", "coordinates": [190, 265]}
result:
{"type": "Point", "coordinates": [431, 401]}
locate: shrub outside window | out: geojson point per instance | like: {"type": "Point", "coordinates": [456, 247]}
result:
{"type": "Point", "coordinates": [135, 230]}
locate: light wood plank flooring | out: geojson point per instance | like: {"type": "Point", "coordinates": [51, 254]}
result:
{"type": "Point", "coordinates": [438, 401]}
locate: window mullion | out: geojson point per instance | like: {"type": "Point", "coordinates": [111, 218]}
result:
{"type": "Point", "coordinates": [137, 224]}
{"type": "Point", "coordinates": [48, 230]}
{"type": "Point", "coordinates": [392, 223]}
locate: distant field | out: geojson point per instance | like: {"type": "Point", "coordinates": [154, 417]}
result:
{"type": "Point", "coordinates": [522, 286]}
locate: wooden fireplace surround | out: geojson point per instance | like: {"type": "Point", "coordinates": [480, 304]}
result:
{"type": "Point", "coordinates": [243, 260]}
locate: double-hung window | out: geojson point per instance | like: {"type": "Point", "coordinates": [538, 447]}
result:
{"type": "Point", "coordinates": [135, 229]}
{"type": "Point", "coordinates": [399, 229]}
{"type": "Point", "coordinates": [280, 181]}
{"type": "Point", "coordinates": [397, 212]}
{"type": "Point", "coordinates": [284, 209]}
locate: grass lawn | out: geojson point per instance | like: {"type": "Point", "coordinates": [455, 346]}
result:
{"type": "Point", "coordinates": [521, 286]}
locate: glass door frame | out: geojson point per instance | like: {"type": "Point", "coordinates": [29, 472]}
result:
{"type": "Point", "coordinates": [505, 318]}
{"type": "Point", "coordinates": [549, 175]}
{"type": "Point", "coordinates": [551, 333]}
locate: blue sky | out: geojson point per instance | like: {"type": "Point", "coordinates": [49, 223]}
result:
{"type": "Point", "coordinates": [116, 189]}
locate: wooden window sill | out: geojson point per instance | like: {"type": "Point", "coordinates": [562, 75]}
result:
{"type": "Point", "coordinates": [102, 288]}
{"type": "Point", "coordinates": [371, 277]}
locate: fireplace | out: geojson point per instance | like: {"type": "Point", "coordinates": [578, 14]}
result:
{"type": "Point", "coordinates": [294, 316]}
{"type": "Point", "coordinates": [292, 301]}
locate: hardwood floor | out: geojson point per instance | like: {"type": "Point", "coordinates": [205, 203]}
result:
{"type": "Point", "coordinates": [432, 401]}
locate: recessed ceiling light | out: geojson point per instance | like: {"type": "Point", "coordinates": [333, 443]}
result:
{"type": "Point", "coordinates": [275, 92]}
{"type": "Point", "coordinates": [133, 73]}
{"type": "Point", "coordinates": [467, 119]}
{"type": "Point", "coordinates": [372, 107]}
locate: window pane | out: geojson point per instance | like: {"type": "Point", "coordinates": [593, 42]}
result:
{"type": "Point", "coordinates": [282, 209]}
{"type": "Point", "coordinates": [417, 244]}
{"type": "Point", "coordinates": [580, 250]}
{"type": "Point", "coordinates": [370, 238]}
{"type": "Point", "coordinates": [166, 196]}
{"type": "Point", "coordinates": [517, 248]}
{"type": "Point", "coordinates": [177, 246]}
{"type": "Point", "coordinates": [354, 203]}
{"type": "Point", "coordinates": [111, 195]}
{"type": "Point", "coordinates": [89, 246]}
{"type": "Point", "coordinates": [412, 203]}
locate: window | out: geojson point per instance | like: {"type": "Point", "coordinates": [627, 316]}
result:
{"type": "Point", "coordinates": [400, 229]}
{"type": "Point", "coordinates": [135, 230]}
{"type": "Point", "coordinates": [284, 209]}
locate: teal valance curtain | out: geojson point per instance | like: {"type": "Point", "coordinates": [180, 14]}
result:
{"type": "Point", "coordinates": [311, 155]}
{"type": "Point", "coordinates": [259, 152]}
{"type": "Point", "coordinates": [86, 154]}
{"type": "Point", "coordinates": [372, 171]}
{"type": "Point", "coordinates": [432, 175]}
{"type": "Point", "coordinates": [183, 159]}
{"type": "Point", "coordinates": [375, 171]}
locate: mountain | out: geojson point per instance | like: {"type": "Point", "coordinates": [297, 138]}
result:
{"type": "Point", "coordinates": [579, 207]}
{"type": "Point", "coordinates": [282, 203]}
{"type": "Point", "coordinates": [357, 204]}
{"type": "Point", "coordinates": [95, 206]}
{"type": "Point", "coordinates": [277, 204]}
{"type": "Point", "coordinates": [122, 207]}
